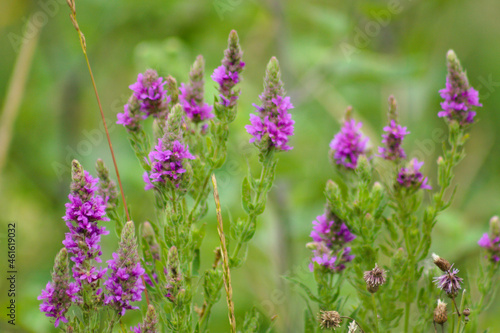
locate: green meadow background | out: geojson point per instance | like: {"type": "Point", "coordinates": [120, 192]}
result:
{"type": "Point", "coordinates": [333, 53]}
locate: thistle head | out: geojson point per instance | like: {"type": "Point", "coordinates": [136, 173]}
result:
{"type": "Point", "coordinates": [374, 278]}
{"type": "Point", "coordinates": [329, 319]}
{"type": "Point", "coordinates": [440, 313]}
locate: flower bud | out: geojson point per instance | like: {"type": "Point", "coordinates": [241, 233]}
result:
{"type": "Point", "coordinates": [495, 226]}
{"type": "Point", "coordinates": [443, 264]}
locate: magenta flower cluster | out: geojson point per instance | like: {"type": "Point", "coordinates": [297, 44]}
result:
{"type": "Point", "coordinates": [196, 111]}
{"type": "Point", "coordinates": [227, 80]}
{"type": "Point", "coordinates": [57, 298]}
{"type": "Point", "coordinates": [83, 212]}
{"type": "Point", "coordinates": [411, 177]}
{"type": "Point", "coordinates": [492, 246]}
{"type": "Point", "coordinates": [392, 139]}
{"type": "Point", "coordinates": [167, 163]}
{"type": "Point", "coordinates": [277, 124]}
{"type": "Point", "coordinates": [349, 144]}
{"type": "Point", "coordinates": [149, 98]}
{"type": "Point", "coordinates": [124, 283]}
{"type": "Point", "coordinates": [458, 102]}
{"type": "Point", "coordinates": [329, 240]}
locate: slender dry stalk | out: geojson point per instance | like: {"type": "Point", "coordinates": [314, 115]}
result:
{"type": "Point", "coordinates": [83, 44]}
{"type": "Point", "coordinates": [225, 258]}
{"type": "Point", "coordinates": [15, 91]}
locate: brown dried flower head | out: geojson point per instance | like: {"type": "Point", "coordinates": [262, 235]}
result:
{"type": "Point", "coordinates": [440, 313]}
{"type": "Point", "coordinates": [443, 264]}
{"type": "Point", "coordinates": [330, 319]}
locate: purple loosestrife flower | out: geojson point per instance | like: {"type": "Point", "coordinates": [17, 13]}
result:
{"type": "Point", "coordinates": [329, 240]}
{"type": "Point", "coordinates": [150, 92]}
{"type": "Point", "coordinates": [83, 212]}
{"type": "Point", "coordinates": [349, 144]}
{"type": "Point", "coordinates": [273, 125]}
{"type": "Point", "coordinates": [392, 139]}
{"type": "Point", "coordinates": [393, 136]}
{"type": "Point", "coordinates": [228, 74]}
{"type": "Point", "coordinates": [167, 163]}
{"type": "Point", "coordinates": [132, 116]}
{"type": "Point", "coordinates": [491, 242]}
{"type": "Point", "coordinates": [411, 177]}
{"type": "Point", "coordinates": [60, 293]}
{"type": "Point", "coordinates": [191, 97]}
{"type": "Point", "coordinates": [459, 97]}
{"type": "Point", "coordinates": [124, 283]}
{"type": "Point", "coordinates": [169, 160]}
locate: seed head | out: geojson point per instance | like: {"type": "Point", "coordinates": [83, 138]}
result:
{"type": "Point", "coordinates": [440, 313]}
{"type": "Point", "coordinates": [374, 278]}
{"type": "Point", "coordinates": [330, 319]}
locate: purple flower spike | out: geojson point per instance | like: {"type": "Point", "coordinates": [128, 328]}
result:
{"type": "Point", "coordinates": [167, 163]}
{"type": "Point", "coordinates": [191, 94]}
{"type": "Point", "coordinates": [273, 125]}
{"type": "Point", "coordinates": [228, 74]}
{"type": "Point", "coordinates": [124, 283]}
{"type": "Point", "coordinates": [85, 209]}
{"type": "Point", "coordinates": [412, 178]}
{"type": "Point", "coordinates": [459, 97]}
{"type": "Point", "coordinates": [349, 144]}
{"type": "Point", "coordinates": [392, 139]}
{"type": "Point", "coordinates": [329, 240]}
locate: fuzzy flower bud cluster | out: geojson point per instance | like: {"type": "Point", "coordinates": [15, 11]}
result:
{"type": "Point", "coordinates": [329, 244]}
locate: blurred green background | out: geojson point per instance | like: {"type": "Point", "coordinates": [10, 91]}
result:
{"type": "Point", "coordinates": [333, 53]}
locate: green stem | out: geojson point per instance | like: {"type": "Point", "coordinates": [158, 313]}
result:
{"type": "Point", "coordinates": [375, 313]}
{"type": "Point", "coordinates": [252, 215]}
{"type": "Point", "coordinates": [200, 195]}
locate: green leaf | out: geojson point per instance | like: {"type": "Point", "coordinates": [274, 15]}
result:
{"type": "Point", "coordinates": [246, 195]}
{"type": "Point", "coordinates": [305, 288]}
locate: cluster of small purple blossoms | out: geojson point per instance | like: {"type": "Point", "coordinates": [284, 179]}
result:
{"type": "Point", "coordinates": [124, 283]}
{"type": "Point", "coordinates": [449, 282]}
{"type": "Point", "coordinates": [349, 144]}
{"type": "Point", "coordinates": [329, 240]}
{"type": "Point", "coordinates": [278, 126]}
{"type": "Point", "coordinates": [491, 242]}
{"type": "Point", "coordinates": [149, 98]}
{"type": "Point", "coordinates": [167, 163]}
{"type": "Point", "coordinates": [60, 293]}
{"type": "Point", "coordinates": [393, 138]}
{"type": "Point", "coordinates": [273, 124]}
{"type": "Point", "coordinates": [83, 212]}
{"type": "Point", "coordinates": [228, 74]}
{"type": "Point", "coordinates": [412, 178]}
{"type": "Point", "coordinates": [191, 94]}
{"type": "Point", "coordinates": [459, 97]}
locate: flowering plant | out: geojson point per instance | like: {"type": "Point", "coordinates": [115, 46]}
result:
{"type": "Point", "coordinates": [374, 232]}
